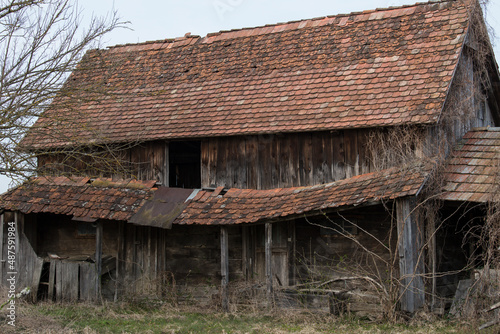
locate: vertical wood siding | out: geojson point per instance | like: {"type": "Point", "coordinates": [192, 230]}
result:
{"type": "Point", "coordinates": [274, 161]}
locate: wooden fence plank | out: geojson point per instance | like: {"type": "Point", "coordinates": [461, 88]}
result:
{"type": "Point", "coordinates": [52, 278]}
{"type": "Point", "coordinates": [88, 277]}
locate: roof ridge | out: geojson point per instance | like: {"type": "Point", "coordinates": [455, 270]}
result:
{"type": "Point", "coordinates": [372, 14]}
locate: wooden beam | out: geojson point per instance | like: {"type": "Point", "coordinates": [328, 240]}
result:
{"type": "Point", "coordinates": [98, 258]}
{"type": "Point", "coordinates": [224, 261]}
{"type": "Point", "coordinates": [269, 257]}
{"type": "Point", "coordinates": [410, 250]}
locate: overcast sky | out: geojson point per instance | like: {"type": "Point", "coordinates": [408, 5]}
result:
{"type": "Point", "coordinates": [161, 19]}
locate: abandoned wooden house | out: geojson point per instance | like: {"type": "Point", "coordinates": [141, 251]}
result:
{"type": "Point", "coordinates": [295, 157]}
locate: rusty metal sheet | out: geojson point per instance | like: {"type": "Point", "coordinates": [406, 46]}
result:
{"type": "Point", "coordinates": [162, 209]}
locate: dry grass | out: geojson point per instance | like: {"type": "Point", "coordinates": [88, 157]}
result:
{"type": "Point", "coordinates": [130, 318]}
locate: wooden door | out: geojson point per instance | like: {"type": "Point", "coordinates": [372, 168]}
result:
{"type": "Point", "coordinates": [280, 254]}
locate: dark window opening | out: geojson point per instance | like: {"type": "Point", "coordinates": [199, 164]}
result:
{"type": "Point", "coordinates": [185, 164]}
{"type": "Point", "coordinates": [84, 229]}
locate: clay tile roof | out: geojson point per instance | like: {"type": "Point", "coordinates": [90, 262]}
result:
{"type": "Point", "coordinates": [250, 206]}
{"type": "Point", "coordinates": [394, 65]}
{"type": "Point", "coordinates": [78, 197]}
{"type": "Point", "coordinates": [471, 172]}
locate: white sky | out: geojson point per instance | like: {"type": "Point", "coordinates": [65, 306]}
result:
{"type": "Point", "coordinates": [160, 19]}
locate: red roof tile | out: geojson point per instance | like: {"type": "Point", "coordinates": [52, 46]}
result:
{"type": "Point", "coordinates": [78, 197]}
{"type": "Point", "coordinates": [311, 75]}
{"type": "Point", "coordinates": [471, 172]}
{"type": "Point", "coordinates": [249, 206]}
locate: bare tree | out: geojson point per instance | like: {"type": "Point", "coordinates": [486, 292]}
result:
{"type": "Point", "coordinates": [41, 41]}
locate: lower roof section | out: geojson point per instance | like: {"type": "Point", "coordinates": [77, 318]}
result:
{"type": "Point", "coordinates": [141, 203]}
{"type": "Point", "coordinates": [238, 206]}
{"type": "Point", "coordinates": [472, 170]}
{"type": "Point", "coordinates": [80, 197]}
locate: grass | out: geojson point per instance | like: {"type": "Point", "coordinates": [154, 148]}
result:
{"type": "Point", "coordinates": [129, 318]}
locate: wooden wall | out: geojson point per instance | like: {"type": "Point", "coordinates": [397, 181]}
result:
{"type": "Point", "coordinates": [142, 161]}
{"type": "Point", "coordinates": [321, 254]}
{"type": "Point", "coordinates": [159, 262]}
{"type": "Point", "coordinates": [257, 162]}
{"type": "Point", "coordinates": [288, 160]}
{"type": "Point", "coordinates": [58, 235]}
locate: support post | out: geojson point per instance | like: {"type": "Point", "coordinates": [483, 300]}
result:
{"type": "Point", "coordinates": [244, 252]}
{"type": "Point", "coordinates": [98, 258]}
{"type": "Point", "coordinates": [269, 265]}
{"type": "Point", "coordinates": [431, 228]}
{"type": "Point", "coordinates": [410, 251]}
{"type": "Point", "coordinates": [224, 262]}
{"type": "Point", "coordinates": [119, 260]}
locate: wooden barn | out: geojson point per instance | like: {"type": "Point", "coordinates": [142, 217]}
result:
{"type": "Point", "coordinates": [301, 158]}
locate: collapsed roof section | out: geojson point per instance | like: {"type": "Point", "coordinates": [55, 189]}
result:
{"type": "Point", "coordinates": [311, 75]}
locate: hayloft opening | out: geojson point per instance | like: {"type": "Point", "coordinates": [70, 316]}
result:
{"type": "Point", "coordinates": [185, 164]}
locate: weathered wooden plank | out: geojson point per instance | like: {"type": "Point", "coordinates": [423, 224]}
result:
{"type": "Point", "coordinates": [253, 175]}
{"type": "Point", "coordinates": [284, 159]}
{"type": "Point", "coordinates": [265, 144]}
{"type": "Point", "coordinates": [291, 252]}
{"type": "Point", "coordinates": [52, 279]}
{"type": "Point", "coordinates": [275, 161]}
{"type": "Point", "coordinates": [59, 280]}
{"type": "Point", "coordinates": [120, 252]}
{"type": "Point", "coordinates": [339, 168]}
{"type": "Point", "coordinates": [149, 268]}
{"type": "Point", "coordinates": [138, 246]}
{"type": "Point", "coordinates": [319, 175]}
{"type": "Point", "coordinates": [166, 165]}
{"type": "Point", "coordinates": [98, 258]}
{"type": "Point", "coordinates": [70, 273]}
{"type": "Point", "coordinates": [410, 262]}
{"type": "Point", "coordinates": [88, 279]}
{"type": "Point", "coordinates": [222, 165]}
{"type": "Point", "coordinates": [242, 164]}
{"type": "Point", "coordinates": [364, 156]}
{"type": "Point", "coordinates": [302, 159]}
{"type": "Point", "coordinates": [212, 181]}
{"type": "Point", "coordinates": [205, 162]}
{"type": "Point", "coordinates": [224, 255]}
{"type": "Point", "coordinates": [245, 256]}
{"type": "Point", "coordinates": [268, 257]}
{"type": "Point", "coordinates": [128, 274]}
{"type": "Point", "coordinates": [37, 274]}
{"type": "Point", "coordinates": [351, 153]}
